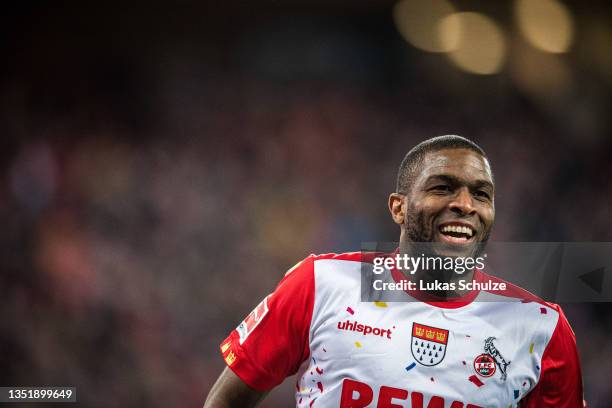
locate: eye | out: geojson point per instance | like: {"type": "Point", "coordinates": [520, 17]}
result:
{"type": "Point", "coordinates": [440, 188]}
{"type": "Point", "coordinates": [482, 194]}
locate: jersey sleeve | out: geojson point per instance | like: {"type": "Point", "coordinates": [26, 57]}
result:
{"type": "Point", "coordinates": [560, 383]}
{"type": "Point", "coordinates": [273, 340]}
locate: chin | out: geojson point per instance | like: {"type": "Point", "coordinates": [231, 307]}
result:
{"type": "Point", "coordinates": [454, 250]}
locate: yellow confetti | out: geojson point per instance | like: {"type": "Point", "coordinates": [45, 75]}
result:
{"type": "Point", "coordinates": [531, 348]}
{"type": "Point", "coordinates": [224, 347]}
{"type": "Point", "coordinates": [380, 304]}
{"type": "Point", "coordinates": [358, 344]}
{"type": "Point", "coordinates": [231, 357]}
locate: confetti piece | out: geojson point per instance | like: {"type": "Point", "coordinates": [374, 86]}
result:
{"type": "Point", "coordinates": [431, 379]}
{"type": "Point", "coordinates": [463, 362]}
{"type": "Point", "coordinates": [319, 371]}
{"type": "Point", "coordinates": [325, 351]}
{"type": "Point", "coordinates": [411, 366]}
{"type": "Point", "coordinates": [311, 373]}
{"type": "Point", "coordinates": [467, 335]}
{"type": "Point", "coordinates": [525, 301]}
{"type": "Point", "coordinates": [300, 401]}
{"type": "Point", "coordinates": [314, 361]}
{"type": "Point", "coordinates": [476, 381]}
{"type": "Point", "coordinates": [320, 385]}
{"type": "Point", "coordinates": [380, 304]}
{"type": "Point", "coordinates": [531, 348]}
{"type": "Point", "coordinates": [225, 347]}
{"type": "Point", "coordinates": [312, 402]}
{"type": "Point", "coordinates": [538, 367]}
{"type": "Point", "coordinates": [351, 311]}
{"type": "Point", "coordinates": [358, 344]}
{"type": "Point", "coordinates": [297, 387]}
{"type": "Point", "coordinates": [516, 394]}
{"type": "Point", "coordinates": [524, 383]}
{"type": "Point", "coordinates": [543, 310]}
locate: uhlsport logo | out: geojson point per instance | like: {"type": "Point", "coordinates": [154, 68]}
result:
{"type": "Point", "coordinates": [428, 344]}
{"type": "Point", "coordinates": [484, 365]}
{"type": "Point", "coordinates": [364, 329]}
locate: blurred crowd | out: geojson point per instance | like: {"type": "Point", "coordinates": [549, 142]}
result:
{"type": "Point", "coordinates": [146, 208]}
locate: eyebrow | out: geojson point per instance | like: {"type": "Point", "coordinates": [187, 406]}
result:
{"type": "Point", "coordinates": [455, 180]}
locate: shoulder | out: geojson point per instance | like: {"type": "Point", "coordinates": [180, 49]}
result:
{"type": "Point", "coordinates": [330, 273]}
{"type": "Point", "coordinates": [534, 318]}
{"type": "Point", "coordinates": [338, 260]}
{"type": "Point", "coordinates": [508, 291]}
{"type": "Point", "coordinates": [363, 257]}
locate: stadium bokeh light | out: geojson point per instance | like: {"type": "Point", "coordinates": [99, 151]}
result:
{"type": "Point", "coordinates": [541, 75]}
{"type": "Point", "coordinates": [476, 43]}
{"type": "Point", "coordinates": [417, 20]}
{"type": "Point", "coordinates": [545, 24]}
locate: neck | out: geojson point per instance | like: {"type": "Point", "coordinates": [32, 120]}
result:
{"type": "Point", "coordinates": [432, 276]}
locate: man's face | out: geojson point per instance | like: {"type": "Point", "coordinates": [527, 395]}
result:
{"type": "Point", "coordinates": [451, 202]}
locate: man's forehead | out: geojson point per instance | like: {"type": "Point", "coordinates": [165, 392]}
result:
{"type": "Point", "coordinates": [460, 162]}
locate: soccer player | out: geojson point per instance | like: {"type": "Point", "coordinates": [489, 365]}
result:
{"type": "Point", "coordinates": [447, 349]}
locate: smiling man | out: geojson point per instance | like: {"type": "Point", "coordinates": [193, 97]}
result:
{"type": "Point", "coordinates": [437, 348]}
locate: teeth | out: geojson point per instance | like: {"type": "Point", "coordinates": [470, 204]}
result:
{"type": "Point", "coordinates": [458, 229]}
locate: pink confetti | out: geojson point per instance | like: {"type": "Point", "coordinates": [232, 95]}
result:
{"type": "Point", "coordinates": [543, 310]}
{"type": "Point", "coordinates": [312, 402]}
{"type": "Point", "coordinates": [320, 386]}
{"type": "Point", "coordinates": [476, 381]}
{"type": "Point", "coordinates": [351, 311]}
{"type": "Point", "coordinates": [319, 371]}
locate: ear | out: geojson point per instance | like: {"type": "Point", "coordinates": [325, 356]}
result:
{"type": "Point", "coordinates": [397, 207]}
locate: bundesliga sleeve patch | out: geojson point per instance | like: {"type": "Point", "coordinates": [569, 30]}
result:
{"type": "Point", "coordinates": [252, 320]}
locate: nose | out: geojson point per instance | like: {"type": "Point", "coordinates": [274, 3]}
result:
{"type": "Point", "coordinates": [462, 202]}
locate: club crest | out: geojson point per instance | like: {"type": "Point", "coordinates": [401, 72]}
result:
{"type": "Point", "coordinates": [428, 344]}
{"type": "Point", "coordinates": [501, 362]}
{"type": "Point", "coordinates": [484, 365]}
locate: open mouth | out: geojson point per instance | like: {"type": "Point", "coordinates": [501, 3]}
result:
{"type": "Point", "coordinates": [456, 233]}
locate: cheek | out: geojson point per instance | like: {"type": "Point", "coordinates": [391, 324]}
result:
{"type": "Point", "coordinates": [432, 207]}
{"type": "Point", "coordinates": [488, 216]}
{"type": "Point", "coordinates": [426, 211]}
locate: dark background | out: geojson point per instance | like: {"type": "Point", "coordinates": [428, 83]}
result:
{"type": "Point", "coordinates": [162, 165]}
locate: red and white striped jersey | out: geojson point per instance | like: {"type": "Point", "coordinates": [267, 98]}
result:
{"type": "Point", "coordinates": [487, 350]}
